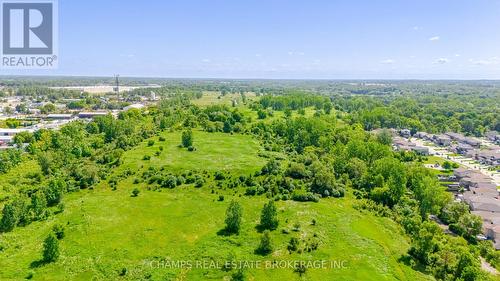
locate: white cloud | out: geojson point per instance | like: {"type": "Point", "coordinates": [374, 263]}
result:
{"type": "Point", "coordinates": [206, 60]}
{"type": "Point", "coordinates": [258, 55]}
{"type": "Point", "coordinates": [416, 28]}
{"type": "Point", "coordinates": [457, 55]}
{"type": "Point", "coordinates": [388, 61]}
{"type": "Point", "coordinates": [434, 38]}
{"type": "Point", "coordinates": [490, 61]}
{"type": "Point", "coordinates": [441, 61]}
{"type": "Point", "coordinates": [291, 53]}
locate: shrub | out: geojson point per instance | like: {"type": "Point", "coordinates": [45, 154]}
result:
{"type": "Point", "coordinates": [293, 245]}
{"type": "Point", "coordinates": [180, 180]}
{"type": "Point", "coordinates": [123, 271]}
{"type": "Point", "coordinates": [262, 114]}
{"type": "Point", "coordinates": [221, 198]}
{"type": "Point", "coordinates": [297, 171]}
{"type": "Point", "coordinates": [199, 182]}
{"type": "Point", "coordinates": [162, 139]}
{"type": "Point", "coordinates": [50, 248]}
{"type": "Point", "coordinates": [305, 197]}
{"type": "Point", "coordinates": [219, 176]}
{"type": "Point", "coordinates": [251, 191]}
{"type": "Point", "coordinates": [169, 182]}
{"type": "Point", "coordinates": [191, 148]}
{"type": "Point", "coordinates": [151, 142]}
{"type": "Point", "coordinates": [260, 190]}
{"type": "Point", "coordinates": [58, 230]}
{"type": "Point", "coordinates": [187, 138]}
{"type": "Point", "coordinates": [296, 227]}
{"type": "Point", "coordinates": [59, 208]}
{"type": "Point", "coordinates": [146, 157]}
{"type": "Point", "coordinates": [238, 275]}
{"type": "Point", "coordinates": [300, 269]}
{"type": "Point", "coordinates": [135, 192]}
{"type": "Point", "coordinates": [265, 246]}
{"type": "Point", "coordinates": [272, 167]}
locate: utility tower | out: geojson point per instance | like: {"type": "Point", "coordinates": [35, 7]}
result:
{"type": "Point", "coordinates": [117, 85]}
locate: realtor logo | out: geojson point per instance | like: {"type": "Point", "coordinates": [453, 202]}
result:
{"type": "Point", "coordinates": [29, 34]}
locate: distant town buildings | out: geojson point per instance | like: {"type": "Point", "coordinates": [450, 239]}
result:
{"type": "Point", "coordinates": [60, 116]}
{"type": "Point", "coordinates": [134, 106]}
{"type": "Point", "coordinates": [7, 135]}
{"type": "Point", "coordinates": [92, 114]}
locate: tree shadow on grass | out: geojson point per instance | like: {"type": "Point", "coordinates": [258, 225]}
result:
{"type": "Point", "coordinates": [260, 228]}
{"type": "Point", "coordinates": [262, 252]}
{"type": "Point", "coordinates": [407, 260]}
{"type": "Point", "coordinates": [225, 232]}
{"type": "Point", "coordinates": [38, 263]}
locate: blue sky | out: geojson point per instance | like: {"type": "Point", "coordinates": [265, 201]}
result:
{"type": "Point", "coordinates": [424, 39]}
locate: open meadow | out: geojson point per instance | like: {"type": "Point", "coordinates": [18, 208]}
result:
{"type": "Point", "coordinates": [110, 235]}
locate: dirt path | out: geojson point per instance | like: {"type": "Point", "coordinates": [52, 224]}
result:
{"type": "Point", "coordinates": [487, 267]}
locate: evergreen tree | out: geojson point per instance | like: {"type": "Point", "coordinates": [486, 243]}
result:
{"type": "Point", "coordinates": [50, 248]}
{"type": "Point", "coordinates": [269, 216]}
{"type": "Point", "coordinates": [233, 217]}
{"type": "Point", "coordinates": [10, 217]}
{"type": "Point", "coordinates": [187, 138]}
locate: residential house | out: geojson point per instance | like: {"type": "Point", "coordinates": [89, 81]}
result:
{"type": "Point", "coordinates": [405, 133]}
{"type": "Point", "coordinates": [442, 140]}
{"type": "Point", "coordinates": [421, 150]}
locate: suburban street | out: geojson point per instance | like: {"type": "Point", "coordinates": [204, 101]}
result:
{"type": "Point", "coordinates": [464, 161]}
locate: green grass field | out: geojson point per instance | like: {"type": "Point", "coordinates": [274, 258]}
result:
{"type": "Point", "coordinates": [214, 152]}
{"type": "Point", "coordinates": [210, 98]}
{"type": "Point", "coordinates": [110, 231]}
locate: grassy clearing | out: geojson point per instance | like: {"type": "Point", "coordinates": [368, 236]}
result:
{"type": "Point", "coordinates": [211, 98]}
{"type": "Point", "coordinates": [214, 152]}
{"type": "Point", "coordinates": [109, 232]}
{"type": "Point", "coordinates": [434, 160]}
